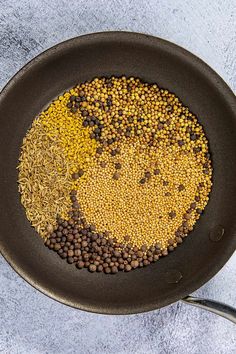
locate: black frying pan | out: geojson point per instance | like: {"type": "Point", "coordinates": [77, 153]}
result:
{"type": "Point", "coordinates": [213, 240]}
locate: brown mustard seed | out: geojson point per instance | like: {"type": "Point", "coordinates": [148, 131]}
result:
{"type": "Point", "coordinates": [117, 166]}
{"type": "Point", "coordinates": [116, 176]}
{"type": "Point", "coordinates": [156, 172]}
{"type": "Point", "coordinates": [181, 188]}
{"type": "Point", "coordinates": [172, 214]}
{"type": "Point", "coordinates": [142, 181]}
{"type": "Point", "coordinates": [103, 164]}
{"type": "Point", "coordinates": [147, 174]}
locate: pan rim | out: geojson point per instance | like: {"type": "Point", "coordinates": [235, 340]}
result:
{"type": "Point", "coordinates": [140, 38]}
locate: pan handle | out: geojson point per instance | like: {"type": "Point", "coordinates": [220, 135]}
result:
{"type": "Point", "coordinates": [218, 308]}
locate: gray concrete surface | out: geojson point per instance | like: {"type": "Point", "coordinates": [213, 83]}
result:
{"type": "Point", "coordinates": [29, 321]}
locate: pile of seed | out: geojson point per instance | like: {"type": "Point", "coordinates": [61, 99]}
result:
{"type": "Point", "coordinates": [116, 109]}
{"type": "Point", "coordinates": [44, 179]}
{"type": "Point", "coordinates": [142, 197]}
{"type": "Point", "coordinates": [67, 129]}
{"type": "Point", "coordinates": [52, 151]}
{"type": "Point", "coordinates": [80, 243]}
{"type": "Point", "coordinates": [137, 163]}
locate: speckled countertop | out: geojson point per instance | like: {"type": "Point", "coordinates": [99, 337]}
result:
{"type": "Point", "coordinates": [29, 321]}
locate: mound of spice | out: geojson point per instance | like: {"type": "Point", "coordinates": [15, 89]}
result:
{"type": "Point", "coordinates": [126, 174]}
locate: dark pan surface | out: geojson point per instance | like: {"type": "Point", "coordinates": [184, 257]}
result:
{"type": "Point", "coordinates": [201, 89]}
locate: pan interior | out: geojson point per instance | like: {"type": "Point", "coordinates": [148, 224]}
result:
{"type": "Point", "coordinates": [198, 87]}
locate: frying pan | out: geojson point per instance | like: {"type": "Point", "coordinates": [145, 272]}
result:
{"type": "Point", "coordinates": [213, 240]}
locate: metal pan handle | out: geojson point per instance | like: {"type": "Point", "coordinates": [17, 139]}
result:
{"type": "Point", "coordinates": [218, 308]}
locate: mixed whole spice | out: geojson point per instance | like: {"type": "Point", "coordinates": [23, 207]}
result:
{"type": "Point", "coordinates": [114, 174]}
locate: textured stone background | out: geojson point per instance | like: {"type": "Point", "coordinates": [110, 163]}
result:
{"type": "Point", "coordinates": [29, 321]}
